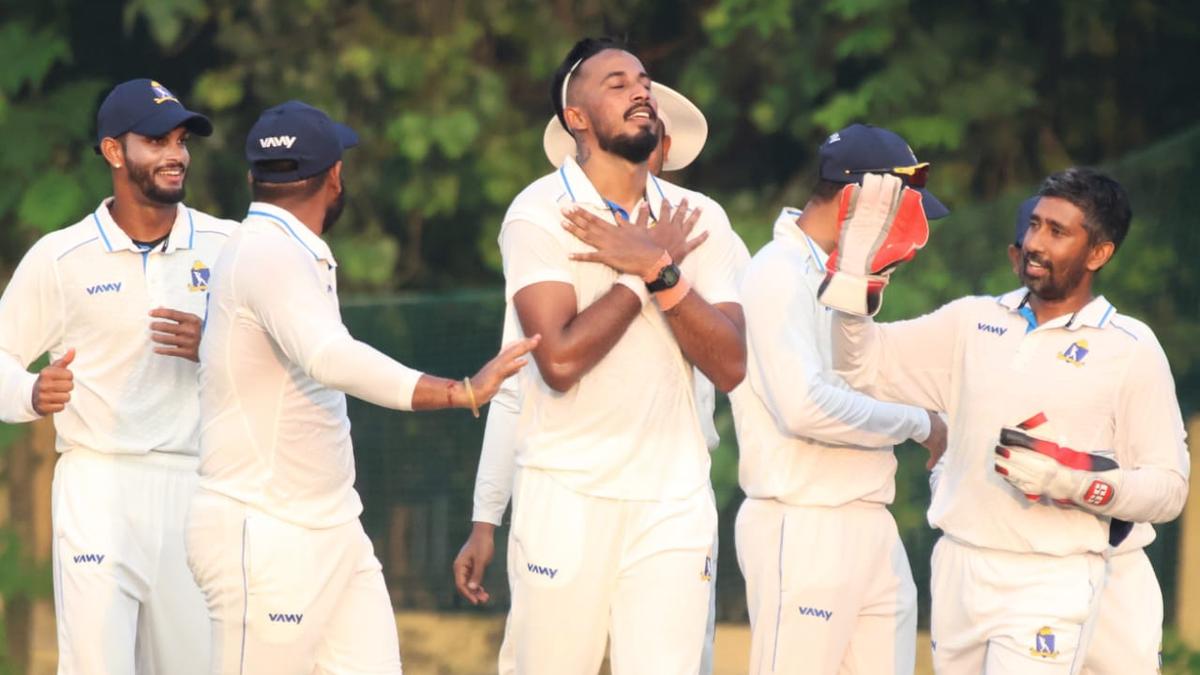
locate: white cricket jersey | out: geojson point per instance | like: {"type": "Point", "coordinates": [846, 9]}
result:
{"type": "Point", "coordinates": [274, 363]}
{"type": "Point", "coordinates": [630, 428]}
{"type": "Point", "coordinates": [497, 458]}
{"type": "Point", "coordinates": [1100, 377]}
{"type": "Point", "coordinates": [804, 436]}
{"type": "Point", "coordinates": [91, 288]}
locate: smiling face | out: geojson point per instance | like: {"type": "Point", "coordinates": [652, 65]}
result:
{"type": "Point", "coordinates": [609, 99]}
{"type": "Point", "coordinates": [1058, 258]}
{"type": "Point", "coordinates": [157, 167]}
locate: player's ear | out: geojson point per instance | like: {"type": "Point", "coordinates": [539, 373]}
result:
{"type": "Point", "coordinates": [113, 152]}
{"type": "Point", "coordinates": [1099, 254]}
{"type": "Point", "coordinates": [576, 120]}
{"type": "Point", "coordinates": [666, 147]}
{"type": "Point", "coordinates": [333, 180]}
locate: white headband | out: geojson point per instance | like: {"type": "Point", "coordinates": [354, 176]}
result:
{"type": "Point", "coordinates": [567, 81]}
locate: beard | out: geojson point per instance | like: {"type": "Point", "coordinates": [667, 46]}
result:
{"type": "Point", "coordinates": [1055, 284]}
{"type": "Point", "coordinates": [635, 148]}
{"type": "Point", "coordinates": [334, 210]}
{"type": "Point", "coordinates": [143, 178]}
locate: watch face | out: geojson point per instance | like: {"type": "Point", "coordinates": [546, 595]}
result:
{"type": "Point", "coordinates": [669, 276]}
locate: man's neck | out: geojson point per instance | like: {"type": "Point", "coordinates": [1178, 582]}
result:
{"type": "Point", "coordinates": [142, 219]}
{"type": "Point", "coordinates": [819, 222]}
{"type": "Point", "coordinates": [1049, 310]}
{"type": "Point", "coordinates": [616, 179]}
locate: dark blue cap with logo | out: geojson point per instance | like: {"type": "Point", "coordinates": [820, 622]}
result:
{"type": "Point", "coordinates": [858, 149]}
{"type": "Point", "coordinates": [1024, 213]}
{"type": "Point", "coordinates": [145, 107]}
{"type": "Point", "coordinates": [300, 133]}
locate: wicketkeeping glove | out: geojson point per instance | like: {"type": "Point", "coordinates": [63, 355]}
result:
{"type": "Point", "coordinates": [882, 225]}
{"type": "Point", "coordinates": [1039, 467]}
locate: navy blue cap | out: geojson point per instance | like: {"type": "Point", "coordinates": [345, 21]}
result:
{"type": "Point", "coordinates": [145, 107]}
{"type": "Point", "coordinates": [1024, 213]}
{"type": "Point", "coordinates": [847, 154]}
{"type": "Point", "coordinates": [298, 132]}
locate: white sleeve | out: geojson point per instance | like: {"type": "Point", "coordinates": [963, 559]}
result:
{"type": "Point", "coordinates": [1150, 440]}
{"type": "Point", "coordinates": [720, 260]}
{"type": "Point", "coordinates": [531, 255]}
{"type": "Point", "coordinates": [788, 373]}
{"type": "Point", "coordinates": [498, 457]}
{"type": "Point", "coordinates": [281, 288]}
{"type": "Point", "coordinates": [907, 361]}
{"type": "Point", "coordinates": [31, 322]}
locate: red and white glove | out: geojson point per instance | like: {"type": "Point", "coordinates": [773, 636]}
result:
{"type": "Point", "coordinates": [1039, 467]}
{"type": "Point", "coordinates": [882, 225]}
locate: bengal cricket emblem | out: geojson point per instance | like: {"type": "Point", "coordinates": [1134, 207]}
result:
{"type": "Point", "coordinates": [200, 275]}
{"type": "Point", "coordinates": [1043, 644]}
{"type": "Point", "coordinates": [1075, 353]}
{"type": "Point", "coordinates": [161, 93]}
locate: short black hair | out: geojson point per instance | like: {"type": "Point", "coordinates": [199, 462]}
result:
{"type": "Point", "coordinates": [262, 191]}
{"type": "Point", "coordinates": [582, 51]}
{"type": "Point", "coordinates": [1105, 205]}
{"type": "Point", "coordinates": [825, 190]}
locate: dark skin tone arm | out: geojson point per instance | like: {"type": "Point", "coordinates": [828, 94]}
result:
{"type": "Point", "coordinates": [573, 342]}
{"type": "Point", "coordinates": [712, 337]}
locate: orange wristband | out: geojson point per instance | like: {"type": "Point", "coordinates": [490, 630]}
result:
{"type": "Point", "coordinates": [673, 296]}
{"type": "Point", "coordinates": [663, 261]}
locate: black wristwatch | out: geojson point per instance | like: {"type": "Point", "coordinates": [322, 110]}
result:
{"type": "Point", "coordinates": [667, 278]}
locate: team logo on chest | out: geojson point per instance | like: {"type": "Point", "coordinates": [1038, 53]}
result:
{"type": "Point", "coordinates": [1043, 644]}
{"type": "Point", "coordinates": [1075, 354]}
{"type": "Point", "coordinates": [199, 280]}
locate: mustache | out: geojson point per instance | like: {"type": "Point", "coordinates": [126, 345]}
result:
{"type": "Point", "coordinates": [1036, 259]}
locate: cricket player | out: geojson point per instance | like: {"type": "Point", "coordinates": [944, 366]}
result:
{"type": "Point", "coordinates": [613, 516]}
{"type": "Point", "coordinates": [678, 118]}
{"type": "Point", "coordinates": [117, 300]}
{"type": "Point", "coordinates": [1063, 420]}
{"type": "Point", "coordinates": [828, 584]}
{"type": "Point", "coordinates": [273, 537]}
{"type": "Point", "coordinates": [1128, 634]}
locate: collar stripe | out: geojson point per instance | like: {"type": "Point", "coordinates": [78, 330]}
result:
{"type": "Point", "coordinates": [101, 228]}
{"type": "Point", "coordinates": [292, 232]}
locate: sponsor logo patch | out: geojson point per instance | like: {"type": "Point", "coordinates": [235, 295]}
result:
{"type": "Point", "coordinates": [706, 574]}
{"type": "Point", "coordinates": [1099, 493]}
{"type": "Point", "coordinates": [88, 558]}
{"type": "Point", "coordinates": [114, 287]}
{"type": "Point", "coordinates": [285, 618]}
{"type": "Point", "coordinates": [818, 613]}
{"type": "Point", "coordinates": [989, 328]}
{"type": "Point", "coordinates": [544, 571]}
{"type": "Point", "coordinates": [276, 142]}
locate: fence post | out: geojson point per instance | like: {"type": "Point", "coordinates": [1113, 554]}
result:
{"type": "Point", "coordinates": [1187, 597]}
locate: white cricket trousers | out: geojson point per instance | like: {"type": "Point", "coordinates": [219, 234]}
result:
{"type": "Point", "coordinates": [829, 589]}
{"type": "Point", "coordinates": [124, 598]}
{"type": "Point", "coordinates": [1005, 613]}
{"type": "Point", "coordinates": [286, 599]}
{"type": "Point", "coordinates": [583, 568]}
{"type": "Point", "coordinates": [507, 659]}
{"type": "Point", "coordinates": [1128, 635]}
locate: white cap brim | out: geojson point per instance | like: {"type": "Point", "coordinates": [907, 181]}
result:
{"type": "Point", "coordinates": [684, 123]}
